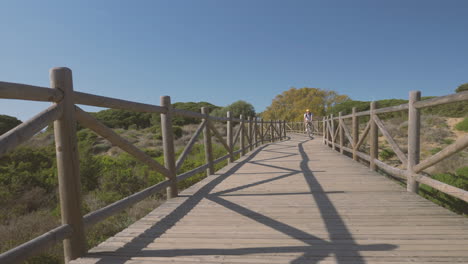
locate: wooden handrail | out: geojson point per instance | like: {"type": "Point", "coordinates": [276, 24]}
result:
{"type": "Point", "coordinates": [26, 130]}
{"type": "Point", "coordinates": [413, 172]}
{"type": "Point", "coordinates": [66, 111]}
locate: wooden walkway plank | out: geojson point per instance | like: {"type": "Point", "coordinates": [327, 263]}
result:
{"type": "Point", "coordinates": [294, 201]}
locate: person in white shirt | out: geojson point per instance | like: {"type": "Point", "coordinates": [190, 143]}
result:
{"type": "Point", "coordinates": [308, 122]}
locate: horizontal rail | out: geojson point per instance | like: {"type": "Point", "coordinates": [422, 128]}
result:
{"type": "Point", "coordinates": [29, 92]}
{"type": "Point", "coordinates": [26, 130]}
{"type": "Point", "coordinates": [451, 98]}
{"type": "Point", "coordinates": [218, 160]}
{"type": "Point", "coordinates": [391, 170]}
{"type": "Point", "coordinates": [116, 207]}
{"type": "Point", "coordinates": [443, 187]}
{"type": "Point", "coordinates": [108, 102]}
{"type": "Point", "coordinates": [190, 173]}
{"type": "Point", "coordinates": [34, 246]}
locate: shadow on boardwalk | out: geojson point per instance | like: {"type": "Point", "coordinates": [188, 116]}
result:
{"type": "Point", "coordinates": [341, 244]}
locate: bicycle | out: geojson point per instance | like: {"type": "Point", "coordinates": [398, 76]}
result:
{"type": "Point", "coordinates": [309, 129]}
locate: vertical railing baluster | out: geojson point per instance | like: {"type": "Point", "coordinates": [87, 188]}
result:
{"type": "Point", "coordinates": [414, 141]}
{"type": "Point", "coordinates": [168, 146]}
{"type": "Point", "coordinates": [355, 133]}
{"type": "Point", "coordinates": [341, 132]}
{"type": "Point", "coordinates": [229, 136]}
{"type": "Point", "coordinates": [68, 166]}
{"type": "Point", "coordinates": [242, 135]}
{"type": "Point", "coordinates": [373, 138]}
{"type": "Point", "coordinates": [207, 143]}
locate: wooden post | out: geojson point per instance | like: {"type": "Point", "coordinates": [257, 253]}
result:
{"type": "Point", "coordinates": [261, 131]}
{"type": "Point", "coordinates": [324, 129]}
{"type": "Point", "coordinates": [168, 146]}
{"type": "Point", "coordinates": [373, 138]}
{"type": "Point", "coordinates": [242, 135]}
{"type": "Point", "coordinates": [272, 134]}
{"type": "Point", "coordinates": [249, 132]}
{"type": "Point", "coordinates": [332, 132]}
{"type": "Point", "coordinates": [341, 132]}
{"type": "Point", "coordinates": [207, 143]}
{"type": "Point", "coordinates": [284, 131]}
{"type": "Point", "coordinates": [414, 124]}
{"type": "Point", "coordinates": [255, 131]}
{"type": "Point", "coordinates": [68, 165]}
{"type": "Point", "coordinates": [230, 136]}
{"type": "Point", "coordinates": [355, 133]}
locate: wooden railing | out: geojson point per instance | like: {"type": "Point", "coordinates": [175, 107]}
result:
{"type": "Point", "coordinates": [336, 134]}
{"type": "Point", "coordinates": [300, 127]}
{"type": "Point", "coordinates": [252, 132]}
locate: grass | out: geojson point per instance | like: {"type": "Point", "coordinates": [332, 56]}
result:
{"type": "Point", "coordinates": [463, 125]}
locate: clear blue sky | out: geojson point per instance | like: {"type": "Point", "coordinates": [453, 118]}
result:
{"type": "Point", "coordinates": [223, 51]}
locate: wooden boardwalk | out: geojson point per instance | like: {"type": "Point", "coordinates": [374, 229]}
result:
{"type": "Point", "coordinates": [295, 201]}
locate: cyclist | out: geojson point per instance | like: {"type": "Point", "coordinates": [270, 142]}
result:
{"type": "Point", "coordinates": [308, 122]}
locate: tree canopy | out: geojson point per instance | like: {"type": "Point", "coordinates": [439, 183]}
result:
{"type": "Point", "coordinates": [237, 108]}
{"type": "Point", "coordinates": [461, 88]}
{"type": "Point", "coordinates": [7, 123]}
{"type": "Point", "coordinates": [291, 104]}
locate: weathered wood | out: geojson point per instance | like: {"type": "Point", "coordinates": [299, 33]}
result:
{"type": "Point", "coordinates": [346, 132]}
{"type": "Point", "coordinates": [391, 170]}
{"type": "Point", "coordinates": [363, 136]}
{"type": "Point", "coordinates": [452, 98]}
{"type": "Point", "coordinates": [249, 132]}
{"type": "Point", "coordinates": [29, 92]}
{"type": "Point", "coordinates": [443, 187]}
{"type": "Point", "coordinates": [262, 135]}
{"type": "Point", "coordinates": [168, 146]}
{"type": "Point", "coordinates": [324, 128]}
{"type": "Point", "coordinates": [255, 131]}
{"type": "Point", "coordinates": [207, 143]}
{"type": "Point", "coordinates": [36, 245]}
{"type": "Point", "coordinates": [229, 136]}
{"type": "Point", "coordinates": [373, 138]}
{"type": "Point", "coordinates": [117, 207]}
{"type": "Point", "coordinates": [191, 173]}
{"type": "Point", "coordinates": [108, 102]}
{"type": "Point", "coordinates": [90, 122]}
{"type": "Point", "coordinates": [341, 132]}
{"type": "Point", "coordinates": [391, 141]}
{"type": "Point", "coordinates": [26, 130]}
{"type": "Point", "coordinates": [414, 123]}
{"type": "Point", "coordinates": [330, 210]}
{"type": "Point", "coordinates": [68, 166]}
{"type": "Point", "coordinates": [218, 160]}
{"type": "Point", "coordinates": [242, 136]}
{"type": "Point", "coordinates": [284, 130]}
{"type": "Point", "coordinates": [189, 146]}
{"type": "Point", "coordinates": [272, 133]}
{"type": "Point", "coordinates": [236, 136]}
{"type": "Point", "coordinates": [218, 136]}
{"type": "Point", "coordinates": [452, 149]}
{"type": "Point", "coordinates": [333, 131]}
{"type": "Point", "coordinates": [355, 131]}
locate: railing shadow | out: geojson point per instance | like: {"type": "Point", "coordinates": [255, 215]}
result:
{"type": "Point", "coordinates": [341, 244]}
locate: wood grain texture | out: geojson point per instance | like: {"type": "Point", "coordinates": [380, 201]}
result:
{"type": "Point", "coordinates": [294, 201]}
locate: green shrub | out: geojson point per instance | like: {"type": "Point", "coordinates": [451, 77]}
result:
{"type": "Point", "coordinates": [435, 150]}
{"type": "Point", "coordinates": [463, 125]}
{"type": "Point", "coordinates": [458, 179]}
{"type": "Point", "coordinates": [386, 154]}
{"type": "Point", "coordinates": [447, 141]}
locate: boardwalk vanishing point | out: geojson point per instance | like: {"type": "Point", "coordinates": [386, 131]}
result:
{"type": "Point", "coordinates": [293, 201]}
